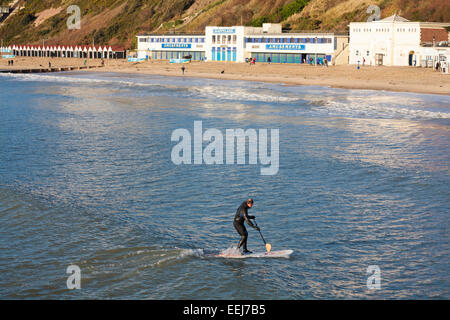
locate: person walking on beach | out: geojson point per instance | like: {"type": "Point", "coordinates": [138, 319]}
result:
{"type": "Point", "coordinates": [182, 69]}
{"type": "Point", "coordinates": [239, 218]}
{"type": "Point", "coordinates": [49, 65]}
{"type": "Point", "coordinates": [269, 60]}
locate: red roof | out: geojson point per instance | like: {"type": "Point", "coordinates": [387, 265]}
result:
{"type": "Point", "coordinates": [82, 46]}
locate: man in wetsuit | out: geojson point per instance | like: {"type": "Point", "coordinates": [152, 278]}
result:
{"type": "Point", "coordinates": [239, 218]}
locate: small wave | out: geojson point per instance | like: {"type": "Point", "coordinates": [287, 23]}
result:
{"type": "Point", "coordinates": [191, 252]}
{"type": "Point", "coordinates": [336, 108]}
{"type": "Point", "coordinates": [310, 105]}
{"type": "Point", "coordinates": [173, 255]}
{"type": "Point", "coordinates": [240, 94]}
{"type": "Point", "coordinates": [215, 92]}
{"type": "Point", "coordinates": [231, 251]}
{"type": "Point", "coordinates": [73, 79]}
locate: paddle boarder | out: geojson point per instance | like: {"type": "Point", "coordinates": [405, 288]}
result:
{"type": "Point", "coordinates": [239, 218]}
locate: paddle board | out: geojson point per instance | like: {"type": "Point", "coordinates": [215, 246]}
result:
{"type": "Point", "coordinates": [272, 254]}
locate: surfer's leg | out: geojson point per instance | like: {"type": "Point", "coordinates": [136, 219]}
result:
{"type": "Point", "coordinates": [244, 240]}
{"type": "Point", "coordinates": [240, 228]}
{"type": "Point", "coordinates": [244, 236]}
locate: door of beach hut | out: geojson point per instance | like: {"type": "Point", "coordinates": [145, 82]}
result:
{"type": "Point", "coordinates": [379, 59]}
{"type": "Point", "coordinates": [410, 58]}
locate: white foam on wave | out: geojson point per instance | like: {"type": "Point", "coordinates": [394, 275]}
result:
{"type": "Point", "coordinates": [231, 251]}
{"type": "Point", "coordinates": [240, 94]}
{"type": "Point", "coordinates": [362, 110]}
{"type": "Point", "coordinates": [74, 79]}
{"type": "Point", "coordinates": [377, 107]}
{"type": "Point", "coordinates": [215, 92]}
{"type": "Point", "coordinates": [191, 252]}
{"type": "Point", "coordinates": [172, 255]}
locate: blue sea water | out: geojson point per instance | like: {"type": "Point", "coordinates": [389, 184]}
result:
{"type": "Point", "coordinates": [86, 179]}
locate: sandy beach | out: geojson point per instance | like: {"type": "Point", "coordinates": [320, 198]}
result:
{"type": "Point", "coordinates": [402, 79]}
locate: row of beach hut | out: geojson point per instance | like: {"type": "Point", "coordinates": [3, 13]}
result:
{"type": "Point", "coordinates": [69, 51]}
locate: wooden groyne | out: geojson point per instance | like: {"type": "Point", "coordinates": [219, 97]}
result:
{"type": "Point", "coordinates": [42, 70]}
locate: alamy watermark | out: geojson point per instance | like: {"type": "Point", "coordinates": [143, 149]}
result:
{"type": "Point", "coordinates": [74, 280]}
{"type": "Point", "coordinates": [374, 279]}
{"type": "Point", "coordinates": [213, 153]}
{"type": "Point", "coordinates": [376, 13]}
{"type": "Point", "coordinates": [74, 20]}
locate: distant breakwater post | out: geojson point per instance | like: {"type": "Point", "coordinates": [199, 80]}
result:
{"type": "Point", "coordinates": [213, 153]}
{"type": "Point", "coordinates": [44, 70]}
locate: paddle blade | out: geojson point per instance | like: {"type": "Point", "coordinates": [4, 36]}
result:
{"type": "Point", "coordinates": [268, 247]}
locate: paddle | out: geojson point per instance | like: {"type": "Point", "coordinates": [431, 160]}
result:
{"type": "Point", "coordinates": [268, 245]}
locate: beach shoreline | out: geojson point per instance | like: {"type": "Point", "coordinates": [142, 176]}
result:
{"type": "Point", "coordinates": [396, 79]}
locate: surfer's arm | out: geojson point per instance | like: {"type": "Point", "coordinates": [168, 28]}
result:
{"type": "Point", "coordinates": [247, 218]}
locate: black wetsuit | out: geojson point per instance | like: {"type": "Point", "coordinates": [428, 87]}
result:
{"type": "Point", "coordinates": [239, 218]}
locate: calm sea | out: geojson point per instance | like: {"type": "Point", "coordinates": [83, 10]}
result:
{"type": "Point", "coordinates": [86, 179]}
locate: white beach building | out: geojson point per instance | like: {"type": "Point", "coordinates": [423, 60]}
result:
{"type": "Point", "coordinates": [396, 41]}
{"type": "Point", "coordinates": [236, 43]}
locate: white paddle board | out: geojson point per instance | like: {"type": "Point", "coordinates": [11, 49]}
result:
{"type": "Point", "coordinates": [271, 254]}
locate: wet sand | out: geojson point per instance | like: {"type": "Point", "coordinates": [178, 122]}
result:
{"type": "Point", "coordinates": [402, 79]}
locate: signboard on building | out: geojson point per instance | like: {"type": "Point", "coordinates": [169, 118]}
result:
{"type": "Point", "coordinates": [176, 45]}
{"type": "Point", "coordinates": [224, 30]}
{"type": "Point", "coordinates": [285, 47]}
